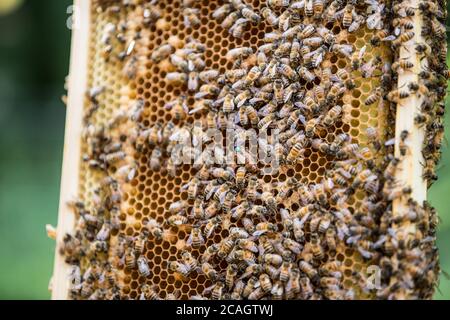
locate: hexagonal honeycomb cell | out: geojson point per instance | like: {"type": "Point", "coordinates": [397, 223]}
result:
{"type": "Point", "coordinates": [148, 195]}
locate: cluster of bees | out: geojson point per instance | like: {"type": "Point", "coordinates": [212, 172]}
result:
{"type": "Point", "coordinates": [282, 237]}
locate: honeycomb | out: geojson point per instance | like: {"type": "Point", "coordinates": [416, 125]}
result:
{"type": "Point", "coordinates": [150, 193]}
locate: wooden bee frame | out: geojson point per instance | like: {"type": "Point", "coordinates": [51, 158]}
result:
{"type": "Point", "coordinates": [410, 167]}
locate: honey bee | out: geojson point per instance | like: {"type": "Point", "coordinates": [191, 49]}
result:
{"type": "Point", "coordinates": [249, 287]}
{"type": "Point", "coordinates": [316, 247]}
{"type": "Point", "coordinates": [344, 50]}
{"type": "Point", "coordinates": [403, 147]}
{"type": "Point", "coordinates": [269, 16]}
{"type": "Point", "coordinates": [374, 97]}
{"type": "Point", "coordinates": [379, 36]}
{"type": "Point", "coordinates": [155, 159]}
{"type": "Point", "coordinates": [313, 42]}
{"type": "Point", "coordinates": [265, 283]}
{"type": "Point", "coordinates": [243, 255]}
{"type": "Point", "coordinates": [395, 193]}
{"type": "Point", "coordinates": [337, 89]}
{"type": "Point", "coordinates": [207, 90]}
{"type": "Point", "coordinates": [178, 107]}
{"type": "Point", "coordinates": [238, 290]}
{"type": "Point", "coordinates": [276, 4]}
{"type": "Point", "coordinates": [209, 271]}
{"type": "Point", "coordinates": [189, 260]}
{"type": "Point", "coordinates": [420, 88]}
{"type": "Point", "coordinates": [177, 220]}
{"type": "Point", "coordinates": [222, 11]}
{"type": "Point", "coordinates": [332, 116]}
{"type": "Point", "coordinates": [344, 75]}
{"type": "Point", "coordinates": [389, 173]}
{"type": "Point", "coordinates": [230, 275]}
{"type": "Point", "coordinates": [402, 64]}
{"type": "Point", "coordinates": [250, 15]}
{"type": "Point", "coordinates": [403, 10]}
{"type": "Point", "coordinates": [211, 225]}
{"type": "Point", "coordinates": [248, 225]}
{"type": "Point", "coordinates": [143, 267]}
{"type": "Point", "coordinates": [402, 38]}
{"type": "Point", "coordinates": [209, 253]}
{"type": "Point", "coordinates": [191, 17]}
{"type": "Point", "coordinates": [230, 19]}
{"type": "Point", "coordinates": [309, 8]}
{"type": "Point", "coordinates": [320, 145]}
{"type": "Point", "coordinates": [177, 78]}
{"type": "Point", "coordinates": [306, 74]}
{"type": "Point", "coordinates": [238, 28]}
{"type": "Point", "coordinates": [253, 183]}
{"type": "Point", "coordinates": [269, 200]}
{"type": "Point", "coordinates": [311, 126]}
{"type": "Point", "coordinates": [273, 259]}
{"type": "Point", "coordinates": [438, 28]}
{"type": "Point", "coordinates": [225, 247]}
{"type": "Point", "coordinates": [293, 284]}
{"type": "Point", "coordinates": [290, 73]}
{"type": "Point", "coordinates": [195, 239]}
{"type": "Point", "coordinates": [330, 239]}
{"type": "Point", "coordinates": [347, 18]}
{"type": "Point", "coordinates": [162, 52]}
{"type": "Point", "coordinates": [149, 293]}
{"type": "Point", "coordinates": [130, 258]}
{"type": "Point", "coordinates": [180, 268]}
{"type": "Point", "coordinates": [240, 177]}
{"type": "Point", "coordinates": [277, 290]}
{"type": "Point", "coordinates": [285, 271]}
{"type": "Point", "coordinates": [151, 14]}
{"type": "Point", "coordinates": [397, 95]}
{"type": "Point", "coordinates": [357, 22]}
{"type": "Point", "coordinates": [266, 246]}
{"type": "Point", "coordinates": [296, 153]}
{"type": "Point", "coordinates": [247, 244]}
{"type": "Point", "coordinates": [87, 288]}
{"type": "Point", "coordinates": [257, 294]}
{"type": "Point", "coordinates": [330, 11]}
{"type": "Point", "coordinates": [139, 244]}
{"type": "Point", "coordinates": [308, 270]}
{"type": "Point", "coordinates": [208, 75]}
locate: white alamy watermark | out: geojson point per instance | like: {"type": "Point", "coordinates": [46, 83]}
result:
{"type": "Point", "coordinates": [74, 19]}
{"type": "Point", "coordinates": [373, 277]}
{"type": "Point", "coordinates": [234, 146]}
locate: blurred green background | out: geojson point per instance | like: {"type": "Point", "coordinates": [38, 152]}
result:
{"type": "Point", "coordinates": [34, 59]}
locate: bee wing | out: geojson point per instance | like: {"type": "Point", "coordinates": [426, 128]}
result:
{"type": "Point", "coordinates": [209, 195]}
{"type": "Point", "coordinates": [210, 231]}
{"type": "Point", "coordinates": [189, 240]}
{"type": "Point", "coordinates": [259, 233]}
{"type": "Point", "coordinates": [389, 38]}
{"type": "Point", "coordinates": [366, 254]}
{"type": "Point", "coordinates": [369, 69]}
{"type": "Point", "coordinates": [297, 5]}
{"type": "Point", "coordinates": [304, 219]}
{"type": "Point", "coordinates": [380, 242]}
{"type": "Point", "coordinates": [390, 142]}
{"type": "Point", "coordinates": [195, 110]}
{"type": "Point", "coordinates": [374, 21]}
{"type": "Point", "coordinates": [342, 232]}
{"type": "Point", "coordinates": [302, 119]}
{"type": "Point", "coordinates": [318, 59]}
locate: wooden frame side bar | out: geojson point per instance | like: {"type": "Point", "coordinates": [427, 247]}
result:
{"type": "Point", "coordinates": [410, 169]}
{"type": "Point", "coordinates": [77, 85]}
